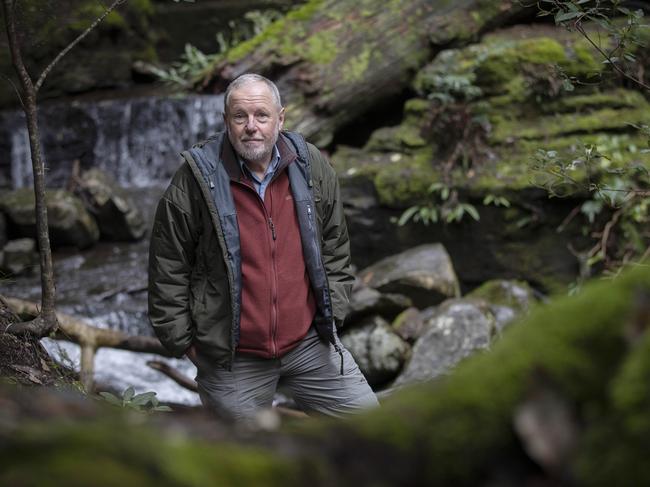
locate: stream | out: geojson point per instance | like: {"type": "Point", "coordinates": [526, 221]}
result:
{"type": "Point", "coordinates": [137, 141]}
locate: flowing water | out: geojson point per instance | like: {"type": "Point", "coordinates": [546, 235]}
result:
{"type": "Point", "coordinates": [137, 141]}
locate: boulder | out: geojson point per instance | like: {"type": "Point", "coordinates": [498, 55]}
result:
{"type": "Point", "coordinates": [409, 324]}
{"type": "Point", "coordinates": [69, 222]}
{"type": "Point", "coordinates": [506, 299]}
{"type": "Point", "coordinates": [425, 274]}
{"type": "Point", "coordinates": [19, 257]}
{"type": "Point", "coordinates": [378, 351]}
{"type": "Point", "coordinates": [366, 301]}
{"type": "Point", "coordinates": [454, 330]}
{"type": "Point", "coordinates": [116, 216]}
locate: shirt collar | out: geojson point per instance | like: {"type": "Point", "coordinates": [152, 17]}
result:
{"type": "Point", "coordinates": [271, 168]}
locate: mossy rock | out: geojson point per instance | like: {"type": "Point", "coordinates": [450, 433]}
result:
{"type": "Point", "coordinates": [590, 357]}
{"type": "Point", "coordinates": [100, 453]}
{"type": "Point", "coordinates": [617, 98]}
{"type": "Point", "coordinates": [68, 221]}
{"type": "Point", "coordinates": [407, 180]}
{"type": "Point", "coordinates": [607, 119]}
{"type": "Point", "coordinates": [509, 65]}
{"type": "Point", "coordinates": [506, 84]}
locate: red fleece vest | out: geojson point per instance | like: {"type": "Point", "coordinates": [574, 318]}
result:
{"type": "Point", "coordinates": [278, 306]}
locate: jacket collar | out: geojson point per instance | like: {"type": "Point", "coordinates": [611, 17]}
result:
{"type": "Point", "coordinates": [230, 163]}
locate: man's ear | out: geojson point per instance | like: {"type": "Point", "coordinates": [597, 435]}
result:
{"type": "Point", "coordinates": [281, 118]}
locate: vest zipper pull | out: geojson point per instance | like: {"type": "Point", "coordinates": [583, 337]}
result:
{"type": "Point", "coordinates": [272, 228]}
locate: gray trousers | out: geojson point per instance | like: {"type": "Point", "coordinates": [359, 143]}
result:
{"type": "Point", "coordinates": [311, 371]}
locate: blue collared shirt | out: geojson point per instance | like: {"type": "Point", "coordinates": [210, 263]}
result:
{"type": "Point", "coordinates": [260, 185]}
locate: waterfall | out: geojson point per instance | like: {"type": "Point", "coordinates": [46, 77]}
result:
{"type": "Point", "coordinates": [136, 140]}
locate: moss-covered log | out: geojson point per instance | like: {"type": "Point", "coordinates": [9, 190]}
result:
{"type": "Point", "coordinates": [578, 365]}
{"type": "Point", "coordinates": [336, 59]}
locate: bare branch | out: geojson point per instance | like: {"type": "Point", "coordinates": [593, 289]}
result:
{"type": "Point", "coordinates": [173, 374]}
{"type": "Point", "coordinates": [78, 331]}
{"type": "Point", "coordinates": [14, 48]}
{"type": "Point", "coordinates": [13, 85]}
{"type": "Point", "coordinates": [607, 56]}
{"type": "Point", "coordinates": [79, 38]}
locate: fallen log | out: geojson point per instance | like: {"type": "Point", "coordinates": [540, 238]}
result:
{"type": "Point", "coordinates": [90, 338]}
{"type": "Point", "coordinates": [335, 60]}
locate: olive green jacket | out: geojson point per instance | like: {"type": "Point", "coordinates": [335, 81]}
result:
{"type": "Point", "coordinates": [194, 259]}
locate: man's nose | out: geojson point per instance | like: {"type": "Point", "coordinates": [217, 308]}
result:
{"type": "Point", "coordinates": [251, 126]}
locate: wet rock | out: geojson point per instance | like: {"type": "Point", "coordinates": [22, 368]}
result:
{"type": "Point", "coordinates": [69, 222]}
{"type": "Point", "coordinates": [366, 301]}
{"type": "Point", "coordinates": [19, 257]}
{"type": "Point", "coordinates": [506, 299]}
{"type": "Point", "coordinates": [425, 274]}
{"type": "Point", "coordinates": [378, 351]}
{"type": "Point", "coordinates": [409, 324]}
{"type": "Point", "coordinates": [117, 217]}
{"type": "Point", "coordinates": [453, 331]}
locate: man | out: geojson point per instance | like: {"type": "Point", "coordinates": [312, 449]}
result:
{"type": "Point", "coordinates": [249, 265]}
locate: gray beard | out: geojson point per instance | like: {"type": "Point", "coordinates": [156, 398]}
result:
{"type": "Point", "coordinates": [254, 155]}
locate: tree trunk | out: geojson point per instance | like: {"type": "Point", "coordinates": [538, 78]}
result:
{"type": "Point", "coordinates": [335, 60]}
{"type": "Point", "coordinates": [45, 323]}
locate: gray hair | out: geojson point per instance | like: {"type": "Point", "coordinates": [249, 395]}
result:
{"type": "Point", "coordinates": [249, 78]}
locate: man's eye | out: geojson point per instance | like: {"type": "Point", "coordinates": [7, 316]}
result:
{"type": "Point", "coordinates": [262, 117]}
{"type": "Point", "coordinates": [239, 118]}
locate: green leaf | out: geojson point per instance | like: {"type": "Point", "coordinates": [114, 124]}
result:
{"type": "Point", "coordinates": [563, 17]}
{"type": "Point", "coordinates": [111, 398]}
{"type": "Point", "coordinates": [128, 394]}
{"type": "Point", "coordinates": [471, 210]}
{"type": "Point", "coordinates": [407, 215]}
{"type": "Point", "coordinates": [144, 398]}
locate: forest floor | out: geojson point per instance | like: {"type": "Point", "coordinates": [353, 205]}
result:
{"type": "Point", "coordinates": [24, 361]}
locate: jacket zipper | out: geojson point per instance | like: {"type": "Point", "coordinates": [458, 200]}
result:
{"type": "Point", "coordinates": [274, 272]}
{"type": "Point", "coordinates": [320, 256]}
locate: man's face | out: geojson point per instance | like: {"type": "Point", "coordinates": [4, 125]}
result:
{"type": "Point", "coordinates": [253, 121]}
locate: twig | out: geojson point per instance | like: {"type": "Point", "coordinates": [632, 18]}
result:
{"type": "Point", "coordinates": [173, 374]}
{"type": "Point", "coordinates": [79, 38]}
{"type": "Point", "coordinates": [582, 31]}
{"type": "Point", "coordinates": [568, 219]}
{"type": "Point", "coordinates": [13, 85]}
{"type": "Point", "coordinates": [607, 230]}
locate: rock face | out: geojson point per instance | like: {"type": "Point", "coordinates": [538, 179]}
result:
{"type": "Point", "coordinates": [69, 222]}
{"type": "Point", "coordinates": [480, 115]}
{"type": "Point", "coordinates": [378, 351]}
{"type": "Point", "coordinates": [116, 216]}
{"type": "Point", "coordinates": [19, 257]}
{"type": "Point", "coordinates": [425, 274]}
{"type": "Point", "coordinates": [452, 332]}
